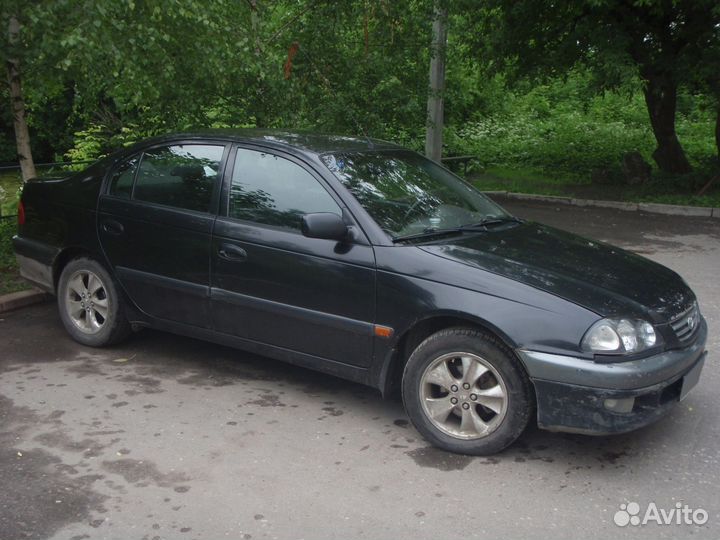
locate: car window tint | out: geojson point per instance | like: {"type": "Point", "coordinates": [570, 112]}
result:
{"type": "Point", "coordinates": [122, 179]}
{"type": "Point", "coordinates": [272, 190]}
{"type": "Point", "coordinates": [182, 176]}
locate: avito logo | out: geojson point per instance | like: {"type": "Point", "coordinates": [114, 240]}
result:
{"type": "Point", "coordinates": [680, 514]}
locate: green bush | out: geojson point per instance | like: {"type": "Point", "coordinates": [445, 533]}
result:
{"type": "Point", "coordinates": [8, 227]}
{"type": "Point", "coordinates": [10, 184]}
{"type": "Point", "coordinates": [566, 142]}
{"type": "Point", "coordinates": [98, 140]}
{"type": "Point", "coordinates": [10, 280]}
{"type": "Point", "coordinates": [560, 128]}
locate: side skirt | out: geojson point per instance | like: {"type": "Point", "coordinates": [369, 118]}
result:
{"type": "Point", "coordinates": [323, 365]}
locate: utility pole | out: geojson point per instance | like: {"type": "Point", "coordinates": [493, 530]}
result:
{"type": "Point", "coordinates": [435, 105]}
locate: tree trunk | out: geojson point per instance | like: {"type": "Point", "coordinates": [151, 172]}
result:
{"type": "Point", "coordinates": [435, 105]}
{"type": "Point", "coordinates": [22, 135]}
{"type": "Point", "coordinates": [255, 25]}
{"type": "Point", "coordinates": [661, 99]}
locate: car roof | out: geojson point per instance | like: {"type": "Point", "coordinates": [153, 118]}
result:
{"type": "Point", "coordinates": [308, 142]}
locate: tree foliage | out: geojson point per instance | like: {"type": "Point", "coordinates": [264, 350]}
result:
{"type": "Point", "coordinates": [98, 74]}
{"type": "Point", "coordinates": [664, 43]}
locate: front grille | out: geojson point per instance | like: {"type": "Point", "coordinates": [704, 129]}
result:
{"type": "Point", "coordinates": [686, 324]}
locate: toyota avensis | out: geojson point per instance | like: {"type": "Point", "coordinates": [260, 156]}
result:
{"type": "Point", "coordinates": [365, 260]}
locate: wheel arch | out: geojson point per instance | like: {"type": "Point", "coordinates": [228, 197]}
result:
{"type": "Point", "coordinates": [394, 363]}
{"type": "Point", "coordinates": [65, 256]}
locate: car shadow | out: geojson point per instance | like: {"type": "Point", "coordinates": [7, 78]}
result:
{"type": "Point", "coordinates": [150, 358]}
{"type": "Point", "coordinates": [207, 365]}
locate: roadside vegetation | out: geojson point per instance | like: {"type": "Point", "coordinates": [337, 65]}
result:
{"type": "Point", "coordinates": [561, 138]}
{"type": "Point", "coordinates": [10, 280]}
{"type": "Point", "coordinates": [554, 139]}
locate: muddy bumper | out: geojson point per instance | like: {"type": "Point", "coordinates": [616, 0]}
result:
{"type": "Point", "coordinates": [581, 396]}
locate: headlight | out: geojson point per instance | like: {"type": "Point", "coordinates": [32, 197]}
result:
{"type": "Point", "coordinates": [619, 336]}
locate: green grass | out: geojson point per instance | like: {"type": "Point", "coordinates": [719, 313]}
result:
{"type": "Point", "coordinates": [10, 182]}
{"type": "Point", "coordinates": [517, 179]}
{"type": "Point", "coordinates": [537, 181]}
{"type": "Point", "coordinates": [10, 280]}
{"type": "Point", "coordinates": [553, 138]}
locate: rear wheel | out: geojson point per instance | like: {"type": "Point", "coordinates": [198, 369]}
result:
{"type": "Point", "coordinates": [466, 392]}
{"type": "Point", "coordinates": [90, 305]}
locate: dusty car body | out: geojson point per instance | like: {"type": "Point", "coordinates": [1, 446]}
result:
{"type": "Point", "coordinates": [483, 324]}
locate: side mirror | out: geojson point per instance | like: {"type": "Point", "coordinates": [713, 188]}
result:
{"type": "Point", "coordinates": [325, 225]}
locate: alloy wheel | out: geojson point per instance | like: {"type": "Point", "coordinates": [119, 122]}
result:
{"type": "Point", "coordinates": [463, 395]}
{"type": "Point", "coordinates": [86, 301]}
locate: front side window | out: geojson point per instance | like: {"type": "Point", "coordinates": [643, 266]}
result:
{"type": "Point", "coordinates": [271, 190]}
{"type": "Point", "coordinates": [407, 194]}
{"type": "Point", "coordinates": [182, 176]}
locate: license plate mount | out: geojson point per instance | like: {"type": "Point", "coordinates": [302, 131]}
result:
{"type": "Point", "coordinates": [691, 378]}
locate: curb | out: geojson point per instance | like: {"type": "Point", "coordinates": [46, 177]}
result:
{"type": "Point", "coordinates": [17, 300]}
{"type": "Point", "coordinates": [653, 208]}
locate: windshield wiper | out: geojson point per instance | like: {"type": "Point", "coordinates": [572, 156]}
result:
{"type": "Point", "coordinates": [485, 223]}
{"type": "Point", "coordinates": [471, 227]}
{"type": "Point", "coordinates": [430, 233]}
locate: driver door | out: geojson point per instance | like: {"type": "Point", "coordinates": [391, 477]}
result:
{"type": "Point", "coordinates": [271, 284]}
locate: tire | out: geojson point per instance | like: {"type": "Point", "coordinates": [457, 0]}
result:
{"type": "Point", "coordinates": [482, 418]}
{"type": "Point", "coordinates": [96, 319]}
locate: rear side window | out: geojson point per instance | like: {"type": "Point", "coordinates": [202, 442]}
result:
{"type": "Point", "coordinates": [182, 176]}
{"type": "Point", "coordinates": [122, 180]}
{"type": "Point", "coordinates": [271, 190]}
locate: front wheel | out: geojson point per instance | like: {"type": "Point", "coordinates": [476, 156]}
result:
{"type": "Point", "coordinates": [90, 304]}
{"type": "Point", "coordinates": [466, 392]}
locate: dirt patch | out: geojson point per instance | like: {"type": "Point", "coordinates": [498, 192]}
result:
{"type": "Point", "coordinates": [207, 380]}
{"type": "Point", "coordinates": [266, 400]}
{"type": "Point", "coordinates": [142, 385]}
{"type": "Point", "coordinates": [85, 368]}
{"type": "Point", "coordinates": [140, 472]}
{"type": "Point", "coordinates": [332, 411]}
{"type": "Point", "coordinates": [60, 440]}
{"type": "Point", "coordinates": [435, 458]}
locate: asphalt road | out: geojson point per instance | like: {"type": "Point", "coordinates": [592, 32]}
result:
{"type": "Point", "coordinates": [168, 437]}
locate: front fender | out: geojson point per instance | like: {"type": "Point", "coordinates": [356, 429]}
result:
{"type": "Point", "coordinates": [521, 315]}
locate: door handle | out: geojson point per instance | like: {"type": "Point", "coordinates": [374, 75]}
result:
{"type": "Point", "coordinates": [113, 227]}
{"type": "Point", "coordinates": [231, 252]}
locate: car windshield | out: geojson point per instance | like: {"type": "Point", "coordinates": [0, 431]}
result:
{"type": "Point", "coordinates": [408, 194]}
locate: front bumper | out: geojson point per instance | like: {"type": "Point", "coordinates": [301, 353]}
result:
{"type": "Point", "coordinates": [581, 396]}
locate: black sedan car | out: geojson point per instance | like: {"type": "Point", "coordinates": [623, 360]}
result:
{"type": "Point", "coordinates": [365, 260]}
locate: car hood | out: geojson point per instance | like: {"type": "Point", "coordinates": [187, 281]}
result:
{"type": "Point", "coordinates": [600, 277]}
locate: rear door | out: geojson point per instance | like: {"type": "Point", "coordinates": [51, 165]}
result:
{"type": "Point", "coordinates": [273, 285]}
{"type": "Point", "coordinates": [155, 223]}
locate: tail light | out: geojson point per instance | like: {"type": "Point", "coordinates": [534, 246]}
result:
{"type": "Point", "coordinates": [21, 213]}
